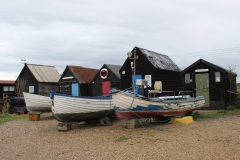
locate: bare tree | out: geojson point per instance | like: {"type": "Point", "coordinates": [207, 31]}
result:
{"type": "Point", "coordinates": [232, 80]}
{"type": "Point", "coordinates": [4, 104]}
{"type": "Point", "coordinates": [21, 85]}
{"type": "Point", "coordinates": [232, 77]}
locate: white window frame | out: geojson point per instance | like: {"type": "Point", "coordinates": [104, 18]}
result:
{"type": "Point", "coordinates": [217, 77]}
{"type": "Point", "coordinates": [11, 88]}
{"type": "Point", "coordinates": [31, 89]}
{"type": "Point", "coordinates": [5, 88]}
{"type": "Point", "coordinates": [187, 78]}
{"type": "Point", "coordinates": [8, 88]}
{"type": "Point", "coordinates": [149, 80]}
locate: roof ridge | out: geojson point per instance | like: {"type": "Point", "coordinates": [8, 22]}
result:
{"type": "Point", "coordinates": [40, 65]}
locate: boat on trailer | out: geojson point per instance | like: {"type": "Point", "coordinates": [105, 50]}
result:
{"type": "Point", "coordinates": [37, 103]}
{"type": "Point", "coordinates": [133, 106]}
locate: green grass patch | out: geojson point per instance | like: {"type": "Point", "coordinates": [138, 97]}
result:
{"type": "Point", "coordinates": [237, 105]}
{"type": "Point", "coordinates": [10, 117]}
{"type": "Point", "coordinates": [122, 138]}
{"type": "Point", "coordinates": [218, 114]}
{"type": "Point", "coordinates": [238, 88]}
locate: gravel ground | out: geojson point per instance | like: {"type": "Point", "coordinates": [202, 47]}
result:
{"type": "Point", "coordinates": [208, 139]}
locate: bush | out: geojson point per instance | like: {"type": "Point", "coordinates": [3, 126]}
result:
{"type": "Point", "coordinates": [230, 108]}
{"type": "Point", "coordinates": [237, 105]}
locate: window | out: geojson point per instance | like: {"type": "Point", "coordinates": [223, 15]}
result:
{"type": "Point", "coordinates": [114, 85]}
{"type": "Point", "coordinates": [11, 88]}
{"type": "Point", "coordinates": [187, 78]}
{"type": "Point", "coordinates": [217, 77]}
{"type": "Point", "coordinates": [149, 80]}
{"type": "Point", "coordinates": [31, 89]}
{"type": "Point", "coordinates": [65, 88]}
{"type": "Point", "coordinates": [5, 88]}
{"type": "Point", "coordinates": [8, 88]}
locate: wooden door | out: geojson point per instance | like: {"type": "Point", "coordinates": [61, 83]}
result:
{"type": "Point", "coordinates": [202, 87]}
{"type": "Point", "coordinates": [106, 87]}
{"type": "Point", "coordinates": [75, 89]}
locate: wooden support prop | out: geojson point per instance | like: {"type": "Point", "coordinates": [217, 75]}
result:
{"type": "Point", "coordinates": [34, 116]}
{"type": "Point", "coordinates": [64, 127]}
{"type": "Point", "coordinates": [131, 123]}
{"type": "Point", "coordinates": [105, 121]}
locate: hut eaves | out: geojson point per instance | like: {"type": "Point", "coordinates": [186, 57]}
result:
{"type": "Point", "coordinates": [7, 81]}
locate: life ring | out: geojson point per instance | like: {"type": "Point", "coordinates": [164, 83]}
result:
{"type": "Point", "coordinates": [104, 70]}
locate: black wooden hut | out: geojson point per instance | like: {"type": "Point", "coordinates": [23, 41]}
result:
{"type": "Point", "coordinates": [76, 80]}
{"type": "Point", "coordinates": [40, 78]}
{"type": "Point", "coordinates": [7, 88]}
{"type": "Point", "coordinates": [108, 77]}
{"type": "Point", "coordinates": [216, 84]}
{"type": "Point", "coordinates": [152, 67]}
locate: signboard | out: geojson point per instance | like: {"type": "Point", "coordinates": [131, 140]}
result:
{"type": "Point", "coordinates": [201, 70]}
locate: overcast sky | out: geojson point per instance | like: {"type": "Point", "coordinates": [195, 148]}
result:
{"type": "Point", "coordinates": [91, 33]}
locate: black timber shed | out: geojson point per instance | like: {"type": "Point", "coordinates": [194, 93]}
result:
{"type": "Point", "coordinates": [40, 78]}
{"type": "Point", "coordinates": [216, 84]}
{"type": "Point", "coordinates": [7, 88]}
{"type": "Point", "coordinates": [153, 67]}
{"type": "Point", "coordinates": [76, 80]}
{"type": "Point", "coordinates": [107, 78]}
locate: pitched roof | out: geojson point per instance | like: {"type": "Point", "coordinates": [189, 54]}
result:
{"type": "Point", "coordinates": [7, 81]}
{"type": "Point", "coordinates": [83, 75]}
{"type": "Point", "coordinates": [44, 73]}
{"type": "Point", "coordinates": [114, 68]}
{"type": "Point", "coordinates": [208, 64]}
{"type": "Point", "coordinates": [159, 61]}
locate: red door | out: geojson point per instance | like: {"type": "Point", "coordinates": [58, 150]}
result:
{"type": "Point", "coordinates": [106, 87]}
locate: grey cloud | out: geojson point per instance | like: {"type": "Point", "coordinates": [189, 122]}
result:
{"type": "Point", "coordinates": [91, 33]}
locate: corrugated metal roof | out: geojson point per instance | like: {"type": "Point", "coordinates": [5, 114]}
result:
{"type": "Point", "coordinates": [7, 82]}
{"type": "Point", "coordinates": [44, 73]}
{"type": "Point", "coordinates": [160, 61]}
{"type": "Point", "coordinates": [83, 75]}
{"type": "Point", "coordinates": [114, 68]}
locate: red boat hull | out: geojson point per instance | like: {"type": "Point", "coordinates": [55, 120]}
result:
{"type": "Point", "coordinates": [152, 114]}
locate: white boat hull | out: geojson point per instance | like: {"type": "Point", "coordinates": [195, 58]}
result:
{"type": "Point", "coordinates": [37, 103]}
{"type": "Point", "coordinates": [128, 106]}
{"type": "Point", "coordinates": [75, 109]}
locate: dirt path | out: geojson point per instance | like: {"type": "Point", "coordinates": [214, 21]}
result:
{"type": "Point", "coordinates": [209, 139]}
